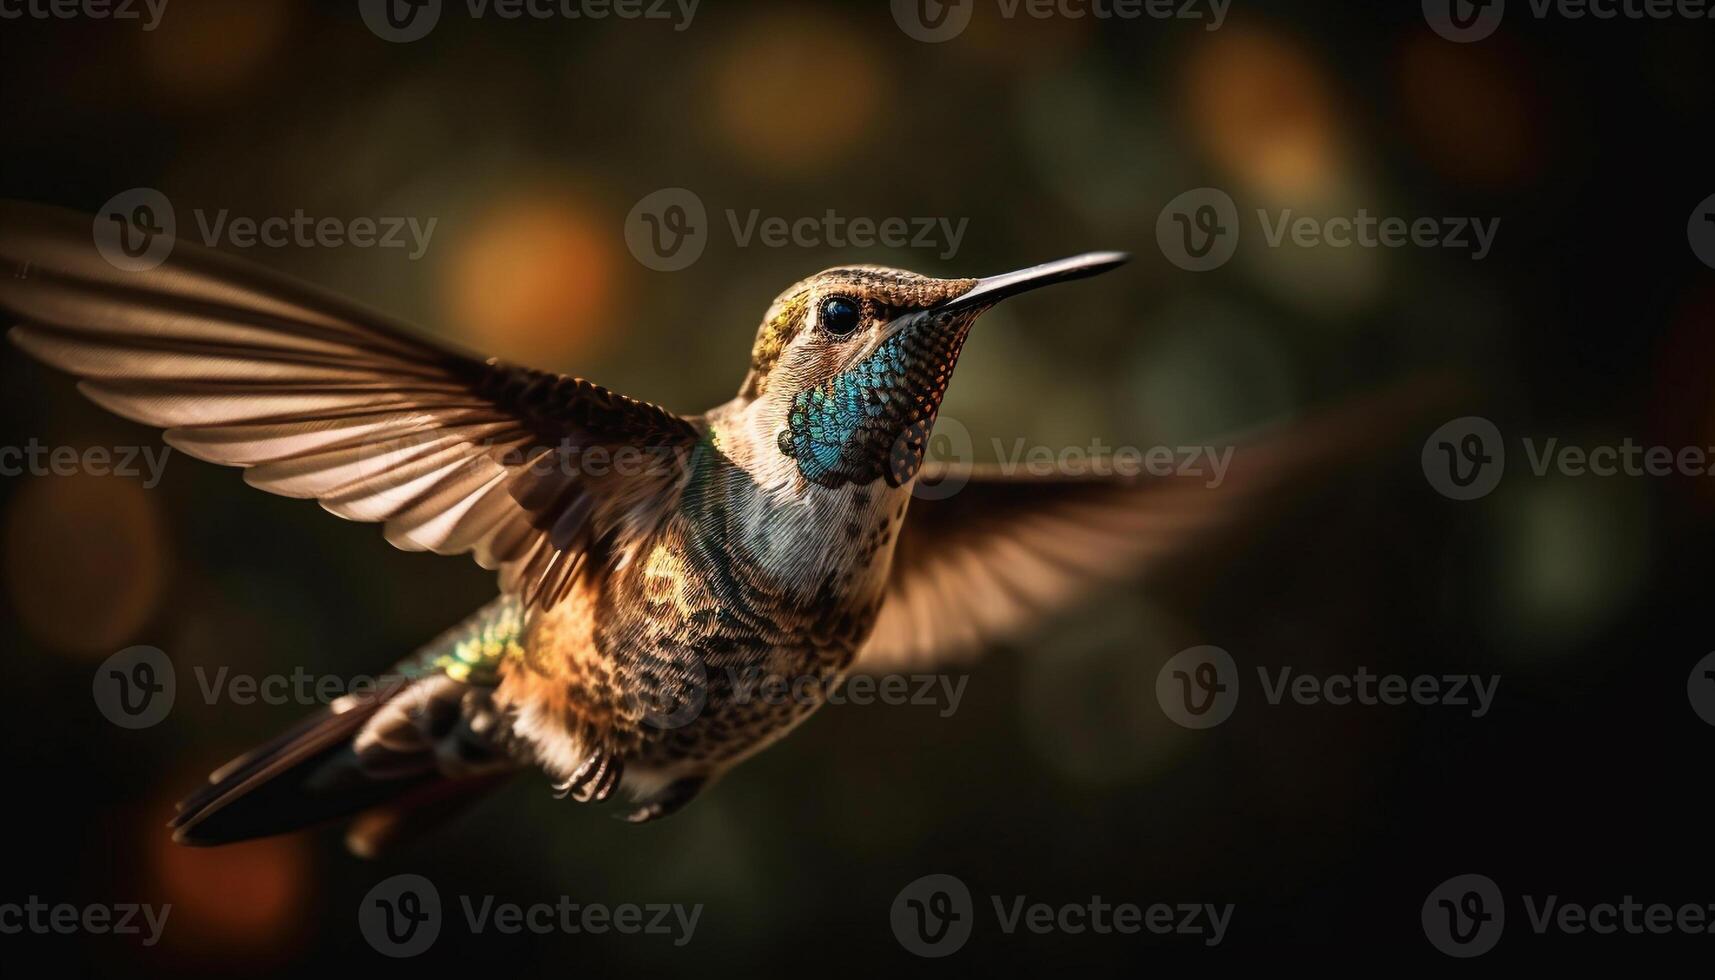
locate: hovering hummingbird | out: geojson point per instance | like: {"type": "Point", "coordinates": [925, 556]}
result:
{"type": "Point", "coordinates": [649, 562]}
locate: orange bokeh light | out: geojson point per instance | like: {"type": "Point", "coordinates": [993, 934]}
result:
{"type": "Point", "coordinates": [241, 897]}
{"type": "Point", "coordinates": [86, 559]}
{"type": "Point", "coordinates": [1261, 108]}
{"type": "Point", "coordinates": [535, 280]}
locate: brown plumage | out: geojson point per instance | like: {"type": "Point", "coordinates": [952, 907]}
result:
{"type": "Point", "coordinates": [771, 537]}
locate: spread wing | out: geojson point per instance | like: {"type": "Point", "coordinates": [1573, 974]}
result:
{"type": "Point", "coordinates": [1000, 553]}
{"type": "Point", "coordinates": [528, 471]}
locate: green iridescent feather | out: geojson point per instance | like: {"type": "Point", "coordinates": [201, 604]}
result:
{"type": "Point", "coordinates": [473, 651]}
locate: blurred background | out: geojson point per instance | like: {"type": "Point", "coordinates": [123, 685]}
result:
{"type": "Point", "coordinates": [530, 141]}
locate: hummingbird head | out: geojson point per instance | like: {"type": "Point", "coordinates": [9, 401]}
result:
{"type": "Point", "coordinates": [850, 365]}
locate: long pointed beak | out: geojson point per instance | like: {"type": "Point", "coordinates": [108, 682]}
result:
{"type": "Point", "coordinates": [992, 290]}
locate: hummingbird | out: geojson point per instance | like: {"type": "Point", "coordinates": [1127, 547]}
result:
{"type": "Point", "coordinates": [652, 565]}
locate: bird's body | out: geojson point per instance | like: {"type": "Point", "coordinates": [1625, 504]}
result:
{"type": "Point", "coordinates": [676, 592]}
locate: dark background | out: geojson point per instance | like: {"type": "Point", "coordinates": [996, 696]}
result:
{"type": "Point", "coordinates": [1058, 778]}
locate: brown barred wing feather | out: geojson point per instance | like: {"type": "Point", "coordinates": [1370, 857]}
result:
{"type": "Point", "coordinates": [318, 398]}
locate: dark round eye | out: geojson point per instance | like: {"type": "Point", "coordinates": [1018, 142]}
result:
{"type": "Point", "coordinates": [840, 315]}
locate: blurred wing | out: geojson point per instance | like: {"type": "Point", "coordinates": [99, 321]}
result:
{"type": "Point", "coordinates": [319, 398]}
{"type": "Point", "coordinates": [1000, 553]}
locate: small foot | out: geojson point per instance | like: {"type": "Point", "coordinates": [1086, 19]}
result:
{"type": "Point", "coordinates": [669, 801]}
{"type": "Point", "coordinates": [594, 781]}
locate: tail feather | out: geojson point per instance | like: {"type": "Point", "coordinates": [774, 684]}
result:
{"type": "Point", "coordinates": [305, 776]}
{"type": "Point", "coordinates": [407, 754]}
